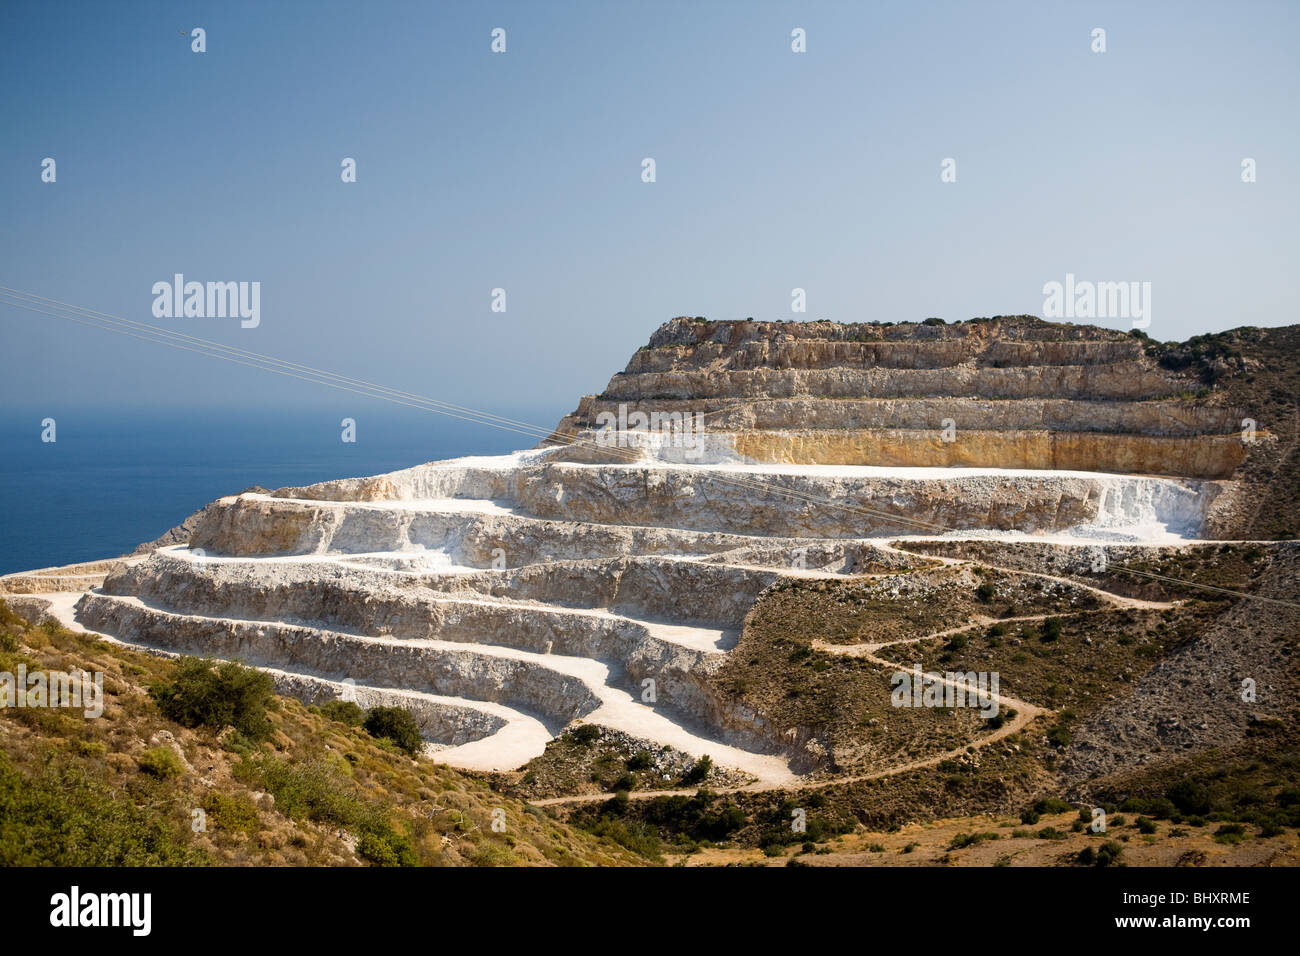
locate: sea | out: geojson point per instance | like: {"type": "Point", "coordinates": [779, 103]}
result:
{"type": "Point", "coordinates": [116, 477]}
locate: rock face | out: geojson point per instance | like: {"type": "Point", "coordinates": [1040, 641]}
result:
{"type": "Point", "coordinates": [1007, 392]}
{"type": "Point", "coordinates": [605, 579]}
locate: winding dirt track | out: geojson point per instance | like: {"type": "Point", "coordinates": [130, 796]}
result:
{"type": "Point", "coordinates": [1025, 711]}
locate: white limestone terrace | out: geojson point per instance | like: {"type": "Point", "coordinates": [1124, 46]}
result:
{"type": "Point", "coordinates": [503, 598]}
{"type": "Point", "coordinates": [454, 505]}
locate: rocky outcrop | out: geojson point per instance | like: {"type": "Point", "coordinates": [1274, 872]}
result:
{"type": "Point", "coordinates": [1007, 392]}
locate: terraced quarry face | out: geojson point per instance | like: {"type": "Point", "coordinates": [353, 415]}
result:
{"type": "Point", "coordinates": [861, 499]}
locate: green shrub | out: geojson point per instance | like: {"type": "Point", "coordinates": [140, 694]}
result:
{"type": "Point", "coordinates": [641, 760]}
{"type": "Point", "coordinates": [1145, 825]}
{"type": "Point", "coordinates": [63, 817]}
{"type": "Point", "coordinates": [1053, 805]}
{"type": "Point", "coordinates": [214, 694]}
{"type": "Point", "coordinates": [586, 734]}
{"type": "Point", "coordinates": [631, 834]}
{"type": "Point", "coordinates": [161, 762]}
{"type": "Point", "coordinates": [1051, 630]}
{"type": "Point", "coordinates": [233, 813]}
{"type": "Point", "coordinates": [395, 724]}
{"type": "Point", "coordinates": [1109, 853]}
{"type": "Point", "coordinates": [344, 711]}
{"type": "Point", "coordinates": [1190, 797]}
{"type": "Point", "coordinates": [1230, 833]}
{"type": "Point", "coordinates": [963, 840]}
{"type": "Point", "coordinates": [1158, 808]}
{"type": "Point", "coordinates": [316, 791]}
{"type": "Point", "coordinates": [699, 771]}
{"type": "Point", "coordinates": [384, 846]}
{"type": "Point", "coordinates": [1059, 736]}
{"type": "Point", "coordinates": [986, 592]}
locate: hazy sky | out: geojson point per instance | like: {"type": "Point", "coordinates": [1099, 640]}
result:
{"type": "Point", "coordinates": [522, 171]}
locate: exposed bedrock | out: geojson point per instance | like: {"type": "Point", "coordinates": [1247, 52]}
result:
{"type": "Point", "coordinates": [257, 525]}
{"type": "Point", "coordinates": [419, 665]}
{"type": "Point", "coordinates": [1124, 380]}
{"type": "Point", "coordinates": [1019, 393]}
{"type": "Point", "coordinates": [715, 500]}
{"type": "Point", "coordinates": [844, 505]}
{"type": "Point", "coordinates": [1205, 456]}
{"type": "Point", "coordinates": [1173, 418]}
{"type": "Point", "coordinates": [443, 722]}
{"type": "Point", "coordinates": [1201, 456]}
{"type": "Point", "coordinates": [789, 353]}
{"type": "Point", "coordinates": [521, 673]}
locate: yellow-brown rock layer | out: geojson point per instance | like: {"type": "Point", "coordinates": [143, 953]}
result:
{"type": "Point", "coordinates": [1206, 456]}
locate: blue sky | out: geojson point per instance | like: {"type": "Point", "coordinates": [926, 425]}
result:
{"type": "Point", "coordinates": [522, 170]}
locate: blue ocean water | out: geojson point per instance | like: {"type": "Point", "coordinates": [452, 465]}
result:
{"type": "Point", "coordinates": [117, 477]}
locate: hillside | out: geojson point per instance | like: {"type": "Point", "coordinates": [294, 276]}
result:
{"type": "Point", "coordinates": [682, 618]}
{"type": "Point", "coordinates": [122, 789]}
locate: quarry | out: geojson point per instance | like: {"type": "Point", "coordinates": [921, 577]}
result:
{"type": "Point", "coordinates": [923, 484]}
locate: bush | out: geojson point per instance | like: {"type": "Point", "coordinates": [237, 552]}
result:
{"type": "Point", "coordinates": [1190, 797]}
{"type": "Point", "coordinates": [586, 734]}
{"type": "Point", "coordinates": [230, 812]}
{"type": "Point", "coordinates": [206, 693]}
{"type": "Point", "coordinates": [60, 816]}
{"type": "Point", "coordinates": [1158, 808]}
{"type": "Point", "coordinates": [1109, 853]}
{"type": "Point", "coordinates": [986, 592]}
{"type": "Point", "coordinates": [384, 846]}
{"type": "Point", "coordinates": [1051, 630]}
{"type": "Point", "coordinates": [161, 762]}
{"type": "Point", "coordinates": [1145, 825]}
{"type": "Point", "coordinates": [641, 760]}
{"type": "Point", "coordinates": [1059, 736]}
{"type": "Point", "coordinates": [1053, 805]}
{"type": "Point", "coordinates": [344, 711]}
{"type": "Point", "coordinates": [1230, 833]}
{"type": "Point", "coordinates": [963, 840]}
{"type": "Point", "coordinates": [395, 724]}
{"type": "Point", "coordinates": [699, 771]}
{"type": "Point", "coordinates": [316, 791]}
